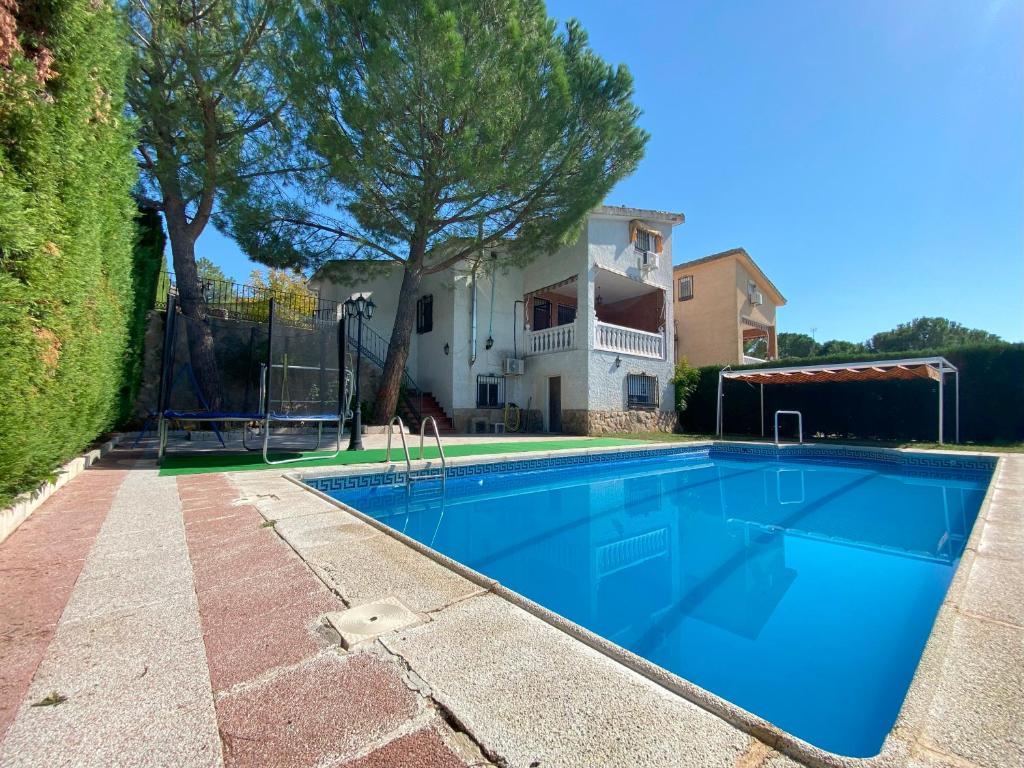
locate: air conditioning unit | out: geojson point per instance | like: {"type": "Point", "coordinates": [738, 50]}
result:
{"type": "Point", "coordinates": [514, 366]}
{"type": "Point", "coordinates": [648, 261]}
{"type": "Point", "coordinates": [756, 298]}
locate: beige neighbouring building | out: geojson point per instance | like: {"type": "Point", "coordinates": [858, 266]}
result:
{"type": "Point", "coordinates": [721, 303]}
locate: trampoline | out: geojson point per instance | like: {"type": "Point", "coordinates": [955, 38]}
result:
{"type": "Point", "coordinates": [286, 372]}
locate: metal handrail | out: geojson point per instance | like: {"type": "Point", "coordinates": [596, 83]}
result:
{"type": "Point", "coordinates": [405, 447]}
{"type": "Point", "coordinates": [375, 349]}
{"type": "Point", "coordinates": [799, 424]}
{"type": "Point", "coordinates": [437, 438]}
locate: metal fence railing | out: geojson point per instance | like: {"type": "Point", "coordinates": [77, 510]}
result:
{"type": "Point", "coordinates": [251, 303]}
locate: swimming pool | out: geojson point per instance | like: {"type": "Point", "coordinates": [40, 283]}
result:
{"type": "Point", "coordinates": [800, 586]}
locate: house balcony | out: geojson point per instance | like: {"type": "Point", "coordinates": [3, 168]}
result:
{"type": "Point", "coordinates": [629, 341]}
{"type": "Point", "coordinates": [607, 338]}
{"type": "Point", "coordinates": [627, 314]}
{"type": "Point", "coordinates": [557, 338]}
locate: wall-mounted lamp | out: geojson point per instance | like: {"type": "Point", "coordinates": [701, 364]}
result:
{"type": "Point", "coordinates": [618, 361]}
{"type": "Point", "coordinates": [447, 349]}
{"type": "Point", "coordinates": [598, 301]}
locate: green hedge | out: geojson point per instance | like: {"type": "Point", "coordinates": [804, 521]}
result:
{"type": "Point", "coordinates": [147, 271]}
{"type": "Point", "coordinates": [66, 235]}
{"type": "Point", "coordinates": [991, 400]}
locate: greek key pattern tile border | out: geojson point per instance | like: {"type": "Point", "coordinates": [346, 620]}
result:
{"type": "Point", "coordinates": [351, 482]}
{"type": "Point", "coordinates": [914, 464]}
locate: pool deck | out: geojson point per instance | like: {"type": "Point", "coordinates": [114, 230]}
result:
{"type": "Point", "coordinates": [191, 620]}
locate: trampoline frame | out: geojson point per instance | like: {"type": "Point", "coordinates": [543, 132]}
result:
{"type": "Point", "coordinates": [265, 416]}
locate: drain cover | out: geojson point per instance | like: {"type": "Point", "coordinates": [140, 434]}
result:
{"type": "Point", "coordinates": [371, 620]}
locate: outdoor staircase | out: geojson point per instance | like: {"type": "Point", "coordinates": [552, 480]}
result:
{"type": "Point", "coordinates": [414, 405]}
{"type": "Point", "coordinates": [428, 406]}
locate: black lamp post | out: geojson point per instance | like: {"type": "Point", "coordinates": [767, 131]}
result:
{"type": "Point", "coordinates": [358, 306]}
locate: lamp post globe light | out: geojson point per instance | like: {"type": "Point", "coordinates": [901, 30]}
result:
{"type": "Point", "coordinates": [358, 306]}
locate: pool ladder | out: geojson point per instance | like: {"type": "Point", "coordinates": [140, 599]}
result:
{"type": "Point", "coordinates": [799, 424]}
{"type": "Point", "coordinates": [441, 474]}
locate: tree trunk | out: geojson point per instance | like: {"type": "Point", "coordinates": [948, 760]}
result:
{"type": "Point", "coordinates": [398, 351]}
{"type": "Point", "coordinates": [193, 305]}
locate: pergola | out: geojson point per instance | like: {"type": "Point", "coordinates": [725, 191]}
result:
{"type": "Point", "coordinates": [935, 368]}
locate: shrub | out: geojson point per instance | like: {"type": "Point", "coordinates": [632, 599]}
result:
{"type": "Point", "coordinates": [66, 233]}
{"type": "Point", "coordinates": [686, 379]}
{"type": "Point", "coordinates": [991, 399]}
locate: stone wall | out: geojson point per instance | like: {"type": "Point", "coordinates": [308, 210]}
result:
{"type": "Point", "coordinates": [579, 422]}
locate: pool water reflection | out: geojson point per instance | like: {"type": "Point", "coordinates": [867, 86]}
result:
{"type": "Point", "coordinates": [803, 593]}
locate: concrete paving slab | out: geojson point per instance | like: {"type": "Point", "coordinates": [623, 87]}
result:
{"type": "Point", "coordinates": [534, 696]}
{"type": "Point", "coordinates": [1004, 538]}
{"type": "Point", "coordinates": [994, 590]}
{"type": "Point", "coordinates": [136, 683]}
{"type": "Point", "coordinates": [976, 708]}
{"type": "Point", "coordinates": [327, 527]}
{"type": "Point", "coordinates": [316, 713]}
{"type": "Point", "coordinates": [369, 569]}
{"type": "Point", "coordinates": [39, 565]}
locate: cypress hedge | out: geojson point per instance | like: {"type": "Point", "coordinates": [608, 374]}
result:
{"type": "Point", "coordinates": [991, 400]}
{"type": "Point", "coordinates": [147, 272]}
{"type": "Point", "coordinates": [66, 232]}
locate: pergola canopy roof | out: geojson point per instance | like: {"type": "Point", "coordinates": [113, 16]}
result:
{"type": "Point", "coordinates": [934, 368]}
{"type": "Point", "coordinates": [876, 370]}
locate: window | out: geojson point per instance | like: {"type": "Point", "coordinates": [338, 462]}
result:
{"type": "Point", "coordinates": [490, 391]}
{"type": "Point", "coordinates": [641, 391]}
{"type": "Point", "coordinates": [643, 240]}
{"type": "Point", "coordinates": [566, 314]}
{"type": "Point", "coordinates": [541, 314]}
{"type": "Point", "coordinates": [425, 314]}
{"type": "Point", "coordinates": [686, 287]}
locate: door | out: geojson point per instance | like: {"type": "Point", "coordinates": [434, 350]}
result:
{"type": "Point", "coordinates": [555, 404]}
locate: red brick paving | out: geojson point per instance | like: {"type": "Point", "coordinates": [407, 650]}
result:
{"type": "Point", "coordinates": [39, 565]}
{"type": "Point", "coordinates": [300, 703]}
{"type": "Point", "coordinates": [330, 706]}
{"type": "Point", "coordinates": [257, 599]}
{"type": "Point", "coordinates": [420, 749]}
{"type": "Point", "coordinates": [297, 703]}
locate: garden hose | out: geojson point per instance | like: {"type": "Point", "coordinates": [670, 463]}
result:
{"type": "Point", "coordinates": [513, 415]}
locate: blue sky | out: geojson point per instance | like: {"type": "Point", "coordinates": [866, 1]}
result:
{"type": "Point", "coordinates": [868, 154]}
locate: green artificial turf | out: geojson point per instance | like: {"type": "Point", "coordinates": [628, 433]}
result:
{"type": "Point", "coordinates": [195, 464]}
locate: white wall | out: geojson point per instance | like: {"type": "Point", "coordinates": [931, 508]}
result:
{"type": "Point", "coordinates": [609, 246]}
{"type": "Point", "coordinates": [385, 286]}
{"type": "Point", "coordinates": [590, 380]}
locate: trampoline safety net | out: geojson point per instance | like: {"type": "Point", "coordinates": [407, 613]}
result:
{"type": "Point", "coordinates": [304, 378]}
{"type": "Point", "coordinates": [231, 386]}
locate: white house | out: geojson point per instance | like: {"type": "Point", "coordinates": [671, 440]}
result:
{"type": "Point", "coordinates": [581, 339]}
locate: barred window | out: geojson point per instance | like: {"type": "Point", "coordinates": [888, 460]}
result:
{"type": "Point", "coordinates": [641, 391]}
{"type": "Point", "coordinates": [686, 287]}
{"type": "Point", "coordinates": [490, 391]}
{"type": "Point", "coordinates": [566, 314]}
{"type": "Point", "coordinates": [425, 314]}
{"type": "Point", "coordinates": [644, 241]}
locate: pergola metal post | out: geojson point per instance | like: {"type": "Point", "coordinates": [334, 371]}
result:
{"type": "Point", "coordinates": [942, 378]}
{"type": "Point", "coordinates": [956, 381]}
{"type": "Point", "coordinates": [762, 410]}
{"type": "Point", "coordinates": [718, 411]}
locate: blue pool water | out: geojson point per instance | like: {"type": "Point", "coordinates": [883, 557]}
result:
{"type": "Point", "coordinates": [802, 592]}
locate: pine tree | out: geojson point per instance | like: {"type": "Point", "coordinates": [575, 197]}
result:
{"type": "Point", "coordinates": [432, 130]}
{"type": "Point", "coordinates": [207, 112]}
